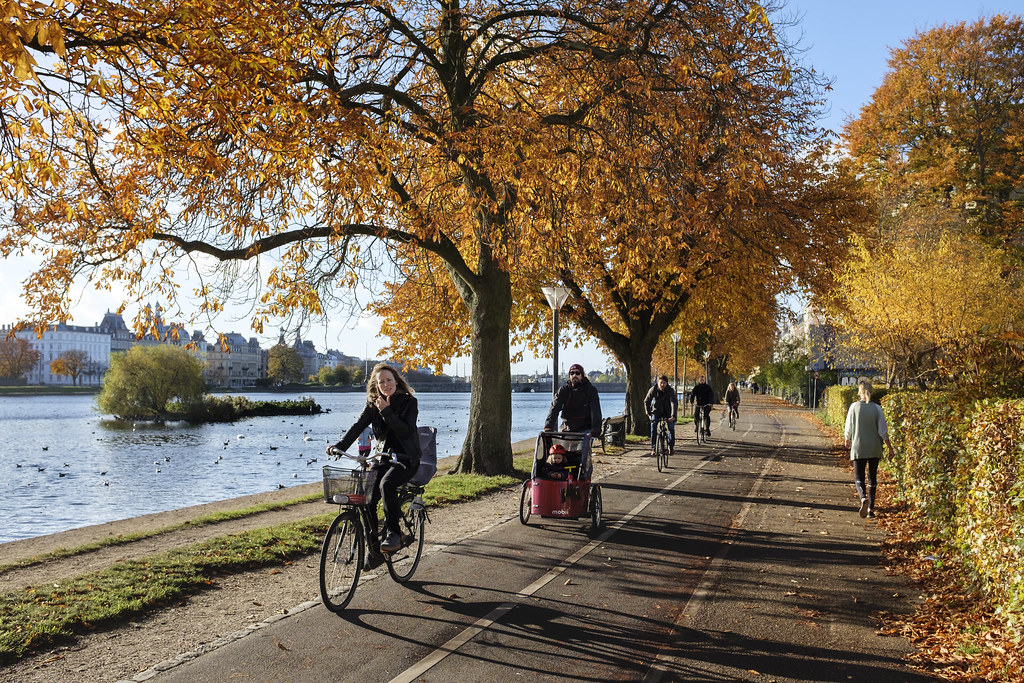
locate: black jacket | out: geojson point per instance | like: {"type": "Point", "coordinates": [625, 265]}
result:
{"type": "Point", "coordinates": [703, 395]}
{"type": "Point", "coordinates": [580, 408]}
{"type": "Point", "coordinates": [732, 396]}
{"type": "Point", "coordinates": [661, 403]}
{"type": "Point", "coordinates": [394, 428]}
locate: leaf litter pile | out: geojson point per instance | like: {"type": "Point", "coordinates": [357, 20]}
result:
{"type": "Point", "coordinates": [957, 633]}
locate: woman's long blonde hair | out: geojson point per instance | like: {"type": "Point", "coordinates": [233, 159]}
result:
{"type": "Point", "coordinates": [864, 389]}
{"type": "Point", "coordinates": [372, 392]}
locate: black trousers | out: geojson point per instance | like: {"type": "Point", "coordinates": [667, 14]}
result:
{"type": "Point", "coordinates": [390, 476]}
{"type": "Point", "coordinates": [869, 467]}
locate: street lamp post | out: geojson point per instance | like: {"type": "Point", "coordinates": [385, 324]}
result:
{"type": "Point", "coordinates": [675, 363]}
{"type": "Point", "coordinates": [556, 297]}
{"type": "Point", "coordinates": [707, 354]}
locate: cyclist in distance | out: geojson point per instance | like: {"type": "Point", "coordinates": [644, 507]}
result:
{"type": "Point", "coordinates": [732, 398]}
{"type": "Point", "coordinates": [660, 403]}
{"type": "Point", "coordinates": [701, 398]}
{"type": "Point", "coordinates": [578, 403]}
{"type": "Point", "coordinates": [391, 409]}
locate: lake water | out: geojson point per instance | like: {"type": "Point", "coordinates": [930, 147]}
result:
{"type": "Point", "coordinates": [65, 465]}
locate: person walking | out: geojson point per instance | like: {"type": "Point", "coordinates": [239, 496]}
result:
{"type": "Point", "coordinates": [391, 410]}
{"type": "Point", "coordinates": [365, 441]}
{"type": "Point", "coordinates": [661, 403]}
{"type": "Point", "coordinates": [865, 432]}
{"type": "Point", "coordinates": [578, 403]}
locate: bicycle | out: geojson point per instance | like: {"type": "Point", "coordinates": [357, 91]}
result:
{"type": "Point", "coordinates": [734, 414]}
{"type": "Point", "coordinates": [703, 425]}
{"type": "Point", "coordinates": [344, 553]}
{"type": "Point", "coordinates": [662, 443]}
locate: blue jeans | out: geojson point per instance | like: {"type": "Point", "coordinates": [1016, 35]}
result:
{"type": "Point", "coordinates": [671, 432]}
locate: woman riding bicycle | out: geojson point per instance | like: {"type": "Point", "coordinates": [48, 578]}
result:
{"type": "Point", "coordinates": [391, 410]}
{"type": "Point", "coordinates": [660, 404]}
{"type": "Point", "coordinates": [732, 399]}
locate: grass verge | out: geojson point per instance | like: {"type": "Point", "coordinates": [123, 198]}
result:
{"type": "Point", "coordinates": [124, 539]}
{"type": "Point", "coordinates": [39, 617]}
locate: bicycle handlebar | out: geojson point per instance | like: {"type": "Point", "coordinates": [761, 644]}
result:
{"type": "Point", "coordinates": [338, 453]}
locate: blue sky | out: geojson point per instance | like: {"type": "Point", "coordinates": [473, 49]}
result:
{"type": "Point", "coordinates": [848, 42]}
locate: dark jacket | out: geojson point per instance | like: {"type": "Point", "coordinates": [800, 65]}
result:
{"type": "Point", "coordinates": [580, 408]}
{"type": "Point", "coordinates": [732, 396]}
{"type": "Point", "coordinates": [661, 403]}
{"type": "Point", "coordinates": [394, 428]}
{"type": "Point", "coordinates": [702, 395]}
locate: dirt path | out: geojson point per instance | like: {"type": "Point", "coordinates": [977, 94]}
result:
{"type": "Point", "coordinates": [232, 604]}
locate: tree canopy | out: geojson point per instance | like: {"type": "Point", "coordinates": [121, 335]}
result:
{"type": "Point", "coordinates": [461, 145]}
{"type": "Point", "coordinates": [284, 364]}
{"type": "Point", "coordinates": [144, 379]}
{"type": "Point", "coordinates": [921, 307]}
{"type": "Point", "coordinates": [72, 363]}
{"type": "Point", "coordinates": [17, 357]}
{"type": "Point", "coordinates": [946, 130]}
{"type": "Point", "coordinates": [932, 291]}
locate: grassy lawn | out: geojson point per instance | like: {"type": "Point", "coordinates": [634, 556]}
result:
{"type": "Point", "coordinates": [39, 617]}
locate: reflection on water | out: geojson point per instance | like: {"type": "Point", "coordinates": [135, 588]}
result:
{"type": "Point", "coordinates": [66, 466]}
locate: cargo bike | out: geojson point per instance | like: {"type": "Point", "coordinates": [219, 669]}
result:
{"type": "Point", "coordinates": [349, 546]}
{"type": "Point", "coordinates": [562, 491]}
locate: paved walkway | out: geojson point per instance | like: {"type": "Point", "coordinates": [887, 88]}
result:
{"type": "Point", "coordinates": [745, 561]}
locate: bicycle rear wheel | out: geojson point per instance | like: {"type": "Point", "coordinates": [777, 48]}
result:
{"type": "Point", "coordinates": [403, 562]}
{"type": "Point", "coordinates": [341, 560]}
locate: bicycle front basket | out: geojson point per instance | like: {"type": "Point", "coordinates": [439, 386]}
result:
{"type": "Point", "coordinates": [348, 486]}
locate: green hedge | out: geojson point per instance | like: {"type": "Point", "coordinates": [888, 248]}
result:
{"type": "Point", "coordinates": [961, 467]}
{"type": "Point", "coordinates": [992, 529]}
{"type": "Point", "coordinates": [838, 399]}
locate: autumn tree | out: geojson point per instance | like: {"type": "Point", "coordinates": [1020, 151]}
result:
{"type": "Point", "coordinates": [17, 356]}
{"type": "Point", "coordinates": [73, 364]}
{"type": "Point", "coordinates": [944, 134]}
{"type": "Point", "coordinates": [292, 135]}
{"type": "Point", "coordinates": [914, 306]}
{"type": "Point", "coordinates": [142, 381]}
{"type": "Point", "coordinates": [733, 316]}
{"type": "Point", "coordinates": [284, 364]}
{"type": "Point", "coordinates": [714, 178]}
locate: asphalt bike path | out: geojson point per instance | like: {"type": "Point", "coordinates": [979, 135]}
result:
{"type": "Point", "coordinates": [744, 560]}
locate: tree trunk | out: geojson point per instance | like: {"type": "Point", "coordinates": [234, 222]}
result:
{"type": "Point", "coordinates": [488, 445]}
{"type": "Point", "coordinates": [718, 376]}
{"type": "Point", "coordinates": [638, 383]}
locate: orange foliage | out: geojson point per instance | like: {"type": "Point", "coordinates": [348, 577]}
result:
{"type": "Point", "coordinates": [946, 129]}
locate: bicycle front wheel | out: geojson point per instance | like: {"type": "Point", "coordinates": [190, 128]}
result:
{"type": "Point", "coordinates": [662, 450]}
{"type": "Point", "coordinates": [341, 560]}
{"type": "Point", "coordinates": [403, 562]}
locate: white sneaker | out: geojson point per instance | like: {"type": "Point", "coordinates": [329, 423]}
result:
{"type": "Point", "coordinates": [863, 507]}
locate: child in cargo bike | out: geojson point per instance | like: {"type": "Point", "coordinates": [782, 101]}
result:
{"type": "Point", "coordinates": [560, 485]}
{"type": "Point", "coordinates": [556, 466]}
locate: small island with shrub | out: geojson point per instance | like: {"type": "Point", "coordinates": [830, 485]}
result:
{"type": "Point", "coordinates": [165, 383]}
